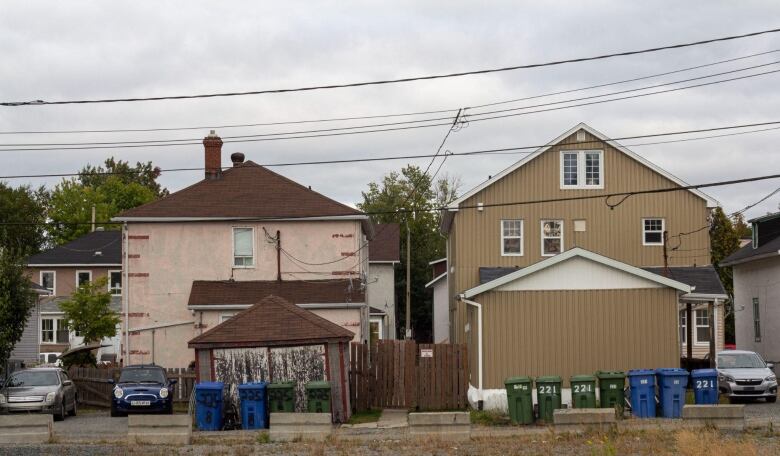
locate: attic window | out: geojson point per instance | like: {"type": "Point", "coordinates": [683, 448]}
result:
{"type": "Point", "coordinates": [582, 169]}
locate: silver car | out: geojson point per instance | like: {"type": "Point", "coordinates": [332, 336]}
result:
{"type": "Point", "coordinates": [43, 389]}
{"type": "Point", "coordinates": [744, 374]}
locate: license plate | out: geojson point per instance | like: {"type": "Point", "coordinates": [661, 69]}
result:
{"type": "Point", "coordinates": [139, 403]}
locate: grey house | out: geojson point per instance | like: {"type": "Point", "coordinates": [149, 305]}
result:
{"type": "Point", "coordinates": [26, 350]}
{"type": "Point", "coordinates": [756, 271]}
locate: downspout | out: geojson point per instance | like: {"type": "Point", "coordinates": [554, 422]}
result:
{"type": "Point", "coordinates": [126, 289]}
{"type": "Point", "coordinates": [479, 341]}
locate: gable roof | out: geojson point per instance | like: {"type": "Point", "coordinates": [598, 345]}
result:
{"type": "Point", "coordinates": [226, 292]}
{"type": "Point", "coordinates": [704, 280]}
{"type": "Point", "coordinates": [711, 202]}
{"type": "Point", "coordinates": [386, 245]}
{"type": "Point", "coordinates": [748, 253]}
{"type": "Point", "coordinates": [273, 321]}
{"type": "Point", "coordinates": [84, 251]}
{"type": "Point", "coordinates": [246, 190]}
{"type": "Point", "coordinates": [576, 252]}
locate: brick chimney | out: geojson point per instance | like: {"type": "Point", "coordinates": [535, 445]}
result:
{"type": "Point", "coordinates": [212, 145]}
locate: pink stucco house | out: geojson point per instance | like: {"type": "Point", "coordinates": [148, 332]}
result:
{"type": "Point", "coordinates": [203, 254]}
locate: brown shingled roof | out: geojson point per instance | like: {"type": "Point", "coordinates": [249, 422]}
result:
{"type": "Point", "coordinates": [247, 190]}
{"type": "Point", "coordinates": [386, 245]}
{"type": "Point", "coordinates": [225, 292]}
{"type": "Point", "coordinates": [272, 322]}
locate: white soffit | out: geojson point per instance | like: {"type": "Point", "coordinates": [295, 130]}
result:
{"type": "Point", "coordinates": [453, 206]}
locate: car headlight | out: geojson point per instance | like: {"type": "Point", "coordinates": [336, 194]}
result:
{"type": "Point", "coordinates": [50, 397]}
{"type": "Point", "coordinates": [163, 392]}
{"type": "Point", "coordinates": [118, 393]}
{"type": "Point", "coordinates": [726, 378]}
{"type": "Point", "coordinates": [771, 378]}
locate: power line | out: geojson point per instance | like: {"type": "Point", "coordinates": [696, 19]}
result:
{"type": "Point", "coordinates": [278, 135]}
{"type": "Point", "coordinates": [439, 209]}
{"type": "Point", "coordinates": [504, 150]}
{"type": "Point", "coordinates": [379, 116]}
{"type": "Point", "coordinates": [40, 102]}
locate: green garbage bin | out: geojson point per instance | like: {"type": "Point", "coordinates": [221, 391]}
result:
{"type": "Point", "coordinates": [520, 399]}
{"type": "Point", "coordinates": [548, 395]}
{"type": "Point", "coordinates": [318, 397]}
{"type": "Point", "coordinates": [583, 391]}
{"type": "Point", "coordinates": [281, 397]}
{"type": "Point", "coordinates": [611, 386]}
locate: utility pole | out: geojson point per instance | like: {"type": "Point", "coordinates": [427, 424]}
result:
{"type": "Point", "coordinates": [408, 281]}
{"type": "Point", "coordinates": [93, 218]}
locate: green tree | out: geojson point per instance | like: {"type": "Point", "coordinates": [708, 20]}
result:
{"type": "Point", "coordinates": [145, 174]}
{"type": "Point", "coordinates": [411, 189]}
{"type": "Point", "coordinates": [89, 314]}
{"type": "Point", "coordinates": [27, 207]}
{"type": "Point", "coordinates": [724, 240]}
{"type": "Point", "coordinates": [16, 302]}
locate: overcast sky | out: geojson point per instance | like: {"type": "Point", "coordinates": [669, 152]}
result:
{"type": "Point", "coordinates": [80, 50]}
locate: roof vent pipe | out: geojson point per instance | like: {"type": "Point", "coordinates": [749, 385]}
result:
{"type": "Point", "coordinates": [237, 158]}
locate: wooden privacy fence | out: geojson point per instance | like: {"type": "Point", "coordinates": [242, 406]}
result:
{"type": "Point", "coordinates": [95, 388]}
{"type": "Point", "coordinates": [404, 374]}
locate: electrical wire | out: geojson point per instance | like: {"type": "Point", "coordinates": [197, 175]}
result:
{"type": "Point", "coordinates": [40, 102]}
{"type": "Point", "coordinates": [379, 116]}
{"type": "Point", "coordinates": [503, 150]}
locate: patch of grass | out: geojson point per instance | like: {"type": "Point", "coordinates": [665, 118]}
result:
{"type": "Point", "coordinates": [263, 437]}
{"type": "Point", "coordinates": [488, 418]}
{"type": "Point", "coordinates": [371, 416]}
{"type": "Point", "coordinates": [712, 443]}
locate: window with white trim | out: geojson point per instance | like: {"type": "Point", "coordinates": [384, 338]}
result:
{"type": "Point", "coordinates": [552, 237]}
{"type": "Point", "coordinates": [683, 327]}
{"type": "Point", "coordinates": [702, 326]}
{"type": "Point", "coordinates": [243, 247]}
{"type": "Point", "coordinates": [582, 169]}
{"type": "Point", "coordinates": [115, 282]}
{"type": "Point", "coordinates": [83, 277]}
{"type": "Point", "coordinates": [49, 280]}
{"type": "Point", "coordinates": [756, 321]}
{"type": "Point", "coordinates": [653, 231]}
{"type": "Point", "coordinates": [511, 237]}
{"type": "Point", "coordinates": [226, 316]}
{"type": "Point", "coordinates": [54, 330]}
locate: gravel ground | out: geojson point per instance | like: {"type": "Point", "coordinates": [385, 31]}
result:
{"type": "Point", "coordinates": [761, 409]}
{"type": "Point", "coordinates": [91, 425]}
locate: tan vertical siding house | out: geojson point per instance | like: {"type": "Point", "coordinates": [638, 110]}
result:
{"type": "Point", "coordinates": [548, 275]}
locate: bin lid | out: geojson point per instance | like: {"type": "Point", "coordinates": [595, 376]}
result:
{"type": "Point", "coordinates": [548, 379]}
{"type": "Point", "coordinates": [516, 380]}
{"type": "Point", "coordinates": [582, 378]}
{"type": "Point", "coordinates": [696, 373]}
{"type": "Point", "coordinates": [285, 385]}
{"type": "Point", "coordinates": [602, 375]}
{"type": "Point", "coordinates": [210, 386]}
{"type": "Point", "coordinates": [640, 372]}
{"type": "Point", "coordinates": [253, 386]}
{"type": "Point", "coordinates": [318, 385]}
{"type": "Point", "coordinates": [671, 372]}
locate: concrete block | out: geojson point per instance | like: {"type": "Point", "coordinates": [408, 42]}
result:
{"type": "Point", "coordinates": [159, 429]}
{"type": "Point", "coordinates": [26, 428]}
{"type": "Point", "coordinates": [285, 427]}
{"type": "Point", "coordinates": [584, 416]}
{"type": "Point", "coordinates": [443, 425]}
{"type": "Point", "coordinates": [722, 416]}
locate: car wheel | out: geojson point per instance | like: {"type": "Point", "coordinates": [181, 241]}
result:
{"type": "Point", "coordinates": [771, 399]}
{"type": "Point", "coordinates": [61, 415]}
{"type": "Point", "coordinates": [74, 410]}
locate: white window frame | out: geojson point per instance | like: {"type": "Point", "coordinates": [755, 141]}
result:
{"type": "Point", "coordinates": [542, 237]}
{"type": "Point", "coordinates": [696, 326]}
{"type": "Point", "coordinates": [522, 237]}
{"type": "Point", "coordinates": [80, 271]}
{"type": "Point", "coordinates": [378, 321]}
{"type": "Point", "coordinates": [644, 231]}
{"type": "Point", "coordinates": [581, 169]}
{"type": "Point", "coordinates": [120, 282]}
{"type": "Point", "coordinates": [53, 281]}
{"type": "Point", "coordinates": [56, 318]}
{"type": "Point", "coordinates": [233, 247]}
{"type": "Point", "coordinates": [225, 316]}
{"type": "Point", "coordinates": [683, 327]}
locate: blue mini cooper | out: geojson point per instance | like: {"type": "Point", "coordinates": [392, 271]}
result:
{"type": "Point", "coordinates": [143, 388]}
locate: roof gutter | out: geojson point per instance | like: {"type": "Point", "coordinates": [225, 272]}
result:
{"type": "Point", "coordinates": [74, 265]}
{"type": "Point", "coordinates": [242, 219]}
{"type": "Point", "coordinates": [326, 305]}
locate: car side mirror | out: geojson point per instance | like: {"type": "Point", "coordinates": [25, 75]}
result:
{"type": "Point", "coordinates": [173, 381]}
{"type": "Point", "coordinates": [67, 382]}
{"type": "Point", "coordinates": [770, 366]}
{"type": "Point", "coordinates": [110, 381]}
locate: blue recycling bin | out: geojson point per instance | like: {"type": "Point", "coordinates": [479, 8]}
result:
{"type": "Point", "coordinates": [642, 385]}
{"type": "Point", "coordinates": [208, 405]}
{"type": "Point", "coordinates": [254, 410]}
{"type": "Point", "coordinates": [672, 384]}
{"type": "Point", "coordinates": [705, 386]}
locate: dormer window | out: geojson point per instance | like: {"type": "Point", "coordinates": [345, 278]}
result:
{"type": "Point", "coordinates": [582, 169]}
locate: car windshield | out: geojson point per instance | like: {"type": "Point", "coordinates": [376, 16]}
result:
{"type": "Point", "coordinates": [740, 361]}
{"type": "Point", "coordinates": [33, 378]}
{"type": "Point", "coordinates": [142, 375]}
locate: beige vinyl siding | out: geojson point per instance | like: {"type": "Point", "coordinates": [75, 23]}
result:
{"type": "Point", "coordinates": [576, 332]}
{"type": "Point", "coordinates": [617, 233]}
